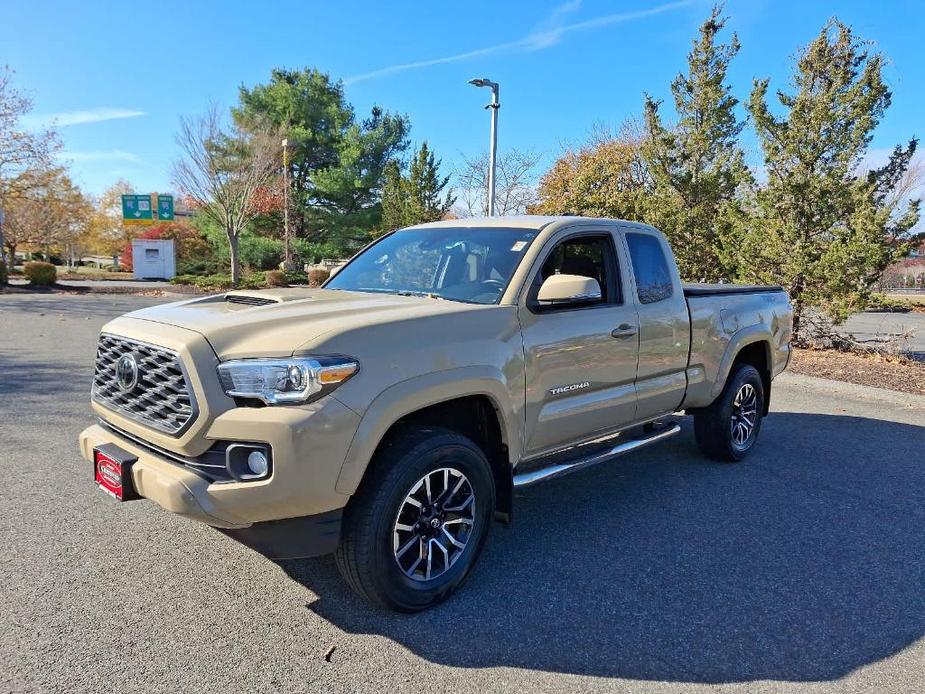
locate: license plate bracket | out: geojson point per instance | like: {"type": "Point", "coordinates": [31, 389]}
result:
{"type": "Point", "coordinates": [112, 471]}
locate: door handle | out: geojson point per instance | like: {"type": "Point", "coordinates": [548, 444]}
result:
{"type": "Point", "coordinates": [623, 330]}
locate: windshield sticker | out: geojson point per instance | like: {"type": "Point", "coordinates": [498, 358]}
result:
{"type": "Point", "coordinates": [519, 246]}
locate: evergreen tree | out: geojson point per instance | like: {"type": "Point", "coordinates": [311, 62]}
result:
{"type": "Point", "coordinates": [823, 231]}
{"type": "Point", "coordinates": [697, 166]}
{"type": "Point", "coordinates": [394, 197]}
{"type": "Point", "coordinates": [418, 197]}
{"type": "Point", "coordinates": [337, 163]}
{"type": "Point", "coordinates": [425, 188]}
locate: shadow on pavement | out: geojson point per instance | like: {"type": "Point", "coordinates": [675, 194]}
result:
{"type": "Point", "coordinates": [29, 379]}
{"type": "Point", "coordinates": [803, 563]}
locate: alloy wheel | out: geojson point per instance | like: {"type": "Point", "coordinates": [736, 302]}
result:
{"type": "Point", "coordinates": [744, 416]}
{"type": "Point", "coordinates": [434, 524]}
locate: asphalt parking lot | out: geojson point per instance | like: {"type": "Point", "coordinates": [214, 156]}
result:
{"type": "Point", "coordinates": [802, 569]}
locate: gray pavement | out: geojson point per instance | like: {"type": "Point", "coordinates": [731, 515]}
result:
{"type": "Point", "coordinates": [875, 326]}
{"type": "Point", "coordinates": [800, 570]}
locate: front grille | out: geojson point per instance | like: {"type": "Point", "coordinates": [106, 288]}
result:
{"type": "Point", "coordinates": [161, 397]}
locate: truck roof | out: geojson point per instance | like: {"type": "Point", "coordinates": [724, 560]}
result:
{"type": "Point", "coordinates": [525, 221]}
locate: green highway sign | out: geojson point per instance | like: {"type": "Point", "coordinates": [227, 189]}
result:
{"type": "Point", "coordinates": [165, 207]}
{"type": "Point", "coordinates": [136, 209]}
{"type": "Point", "coordinates": [147, 209]}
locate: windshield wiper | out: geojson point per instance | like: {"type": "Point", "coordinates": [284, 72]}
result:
{"type": "Point", "coordinates": [429, 295]}
{"type": "Point", "coordinates": [409, 292]}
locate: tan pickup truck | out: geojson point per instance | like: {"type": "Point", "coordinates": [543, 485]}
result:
{"type": "Point", "coordinates": [388, 416]}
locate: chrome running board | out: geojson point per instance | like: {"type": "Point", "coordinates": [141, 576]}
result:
{"type": "Point", "coordinates": [575, 462]}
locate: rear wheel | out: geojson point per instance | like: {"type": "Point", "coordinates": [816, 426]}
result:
{"type": "Point", "coordinates": [418, 522]}
{"type": "Point", "coordinates": [728, 429]}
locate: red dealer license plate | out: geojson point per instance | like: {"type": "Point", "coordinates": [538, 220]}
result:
{"type": "Point", "coordinates": [112, 471]}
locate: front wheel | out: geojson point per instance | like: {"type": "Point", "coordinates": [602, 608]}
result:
{"type": "Point", "coordinates": [415, 527]}
{"type": "Point", "coordinates": [728, 429]}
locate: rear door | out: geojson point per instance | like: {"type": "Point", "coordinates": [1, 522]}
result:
{"type": "Point", "coordinates": [664, 323]}
{"type": "Point", "coordinates": [580, 360]}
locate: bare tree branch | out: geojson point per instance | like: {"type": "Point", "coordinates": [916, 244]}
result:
{"type": "Point", "coordinates": [515, 185]}
{"type": "Point", "coordinates": [222, 170]}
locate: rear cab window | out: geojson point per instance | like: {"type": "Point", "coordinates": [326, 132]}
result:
{"type": "Point", "coordinates": [650, 268]}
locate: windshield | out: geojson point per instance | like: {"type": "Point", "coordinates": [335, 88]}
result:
{"type": "Point", "coordinates": [468, 264]}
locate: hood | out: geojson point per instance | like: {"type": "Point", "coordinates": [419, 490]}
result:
{"type": "Point", "coordinates": [276, 322]}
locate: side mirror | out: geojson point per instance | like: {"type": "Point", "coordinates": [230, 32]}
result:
{"type": "Point", "coordinates": [561, 290]}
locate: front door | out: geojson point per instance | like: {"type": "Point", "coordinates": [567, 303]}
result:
{"type": "Point", "coordinates": [580, 360]}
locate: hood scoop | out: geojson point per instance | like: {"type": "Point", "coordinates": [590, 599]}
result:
{"type": "Point", "coordinates": [250, 299]}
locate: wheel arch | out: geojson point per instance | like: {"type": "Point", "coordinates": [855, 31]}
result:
{"type": "Point", "coordinates": [748, 346]}
{"type": "Point", "coordinates": [469, 405]}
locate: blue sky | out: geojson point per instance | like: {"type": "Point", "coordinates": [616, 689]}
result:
{"type": "Point", "coordinates": [118, 76]}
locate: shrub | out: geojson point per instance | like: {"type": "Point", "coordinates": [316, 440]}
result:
{"type": "Point", "coordinates": [47, 258]}
{"type": "Point", "coordinates": [41, 274]}
{"type": "Point", "coordinates": [296, 277]}
{"type": "Point", "coordinates": [205, 265]}
{"type": "Point", "coordinates": [314, 251]}
{"type": "Point", "coordinates": [184, 279]}
{"type": "Point", "coordinates": [253, 280]}
{"type": "Point", "coordinates": [317, 277]}
{"type": "Point", "coordinates": [3, 274]}
{"type": "Point", "coordinates": [276, 278]}
{"type": "Point", "coordinates": [260, 253]}
{"type": "Point", "coordinates": [218, 281]}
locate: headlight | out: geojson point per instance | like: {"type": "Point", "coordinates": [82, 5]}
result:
{"type": "Point", "coordinates": [285, 381]}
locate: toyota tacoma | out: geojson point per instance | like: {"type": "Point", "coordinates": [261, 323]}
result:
{"type": "Point", "coordinates": [388, 416]}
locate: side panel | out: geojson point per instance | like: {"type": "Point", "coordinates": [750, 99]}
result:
{"type": "Point", "coordinates": [664, 341]}
{"type": "Point", "coordinates": [409, 365]}
{"type": "Point", "coordinates": [420, 392]}
{"type": "Point", "coordinates": [721, 326]}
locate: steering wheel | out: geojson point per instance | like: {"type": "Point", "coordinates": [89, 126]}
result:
{"type": "Point", "coordinates": [497, 284]}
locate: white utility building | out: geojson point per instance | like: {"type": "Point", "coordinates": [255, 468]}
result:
{"type": "Point", "coordinates": [153, 259]}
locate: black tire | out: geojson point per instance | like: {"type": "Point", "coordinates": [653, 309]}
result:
{"type": "Point", "coordinates": [366, 556]}
{"type": "Point", "coordinates": [714, 427]}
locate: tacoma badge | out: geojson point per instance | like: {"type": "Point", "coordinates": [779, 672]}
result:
{"type": "Point", "coordinates": [558, 390]}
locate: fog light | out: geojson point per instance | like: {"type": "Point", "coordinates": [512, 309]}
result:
{"type": "Point", "coordinates": [258, 464]}
{"type": "Point", "coordinates": [248, 461]}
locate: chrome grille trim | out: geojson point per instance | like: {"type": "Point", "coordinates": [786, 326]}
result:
{"type": "Point", "coordinates": [163, 399]}
{"type": "Point", "coordinates": [214, 472]}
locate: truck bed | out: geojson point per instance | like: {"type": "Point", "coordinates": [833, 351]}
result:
{"type": "Point", "coordinates": [703, 289]}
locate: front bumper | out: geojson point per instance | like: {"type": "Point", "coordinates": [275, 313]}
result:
{"type": "Point", "coordinates": [309, 446]}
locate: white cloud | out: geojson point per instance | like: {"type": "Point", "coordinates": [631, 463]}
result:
{"type": "Point", "coordinates": [66, 118]}
{"type": "Point", "coordinates": [547, 34]}
{"type": "Point", "coordinates": [100, 155]}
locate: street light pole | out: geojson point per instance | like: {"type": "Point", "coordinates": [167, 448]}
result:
{"type": "Point", "coordinates": [287, 245]}
{"type": "Point", "coordinates": [493, 146]}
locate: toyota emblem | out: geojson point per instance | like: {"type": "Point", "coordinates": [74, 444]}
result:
{"type": "Point", "coordinates": [127, 372]}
